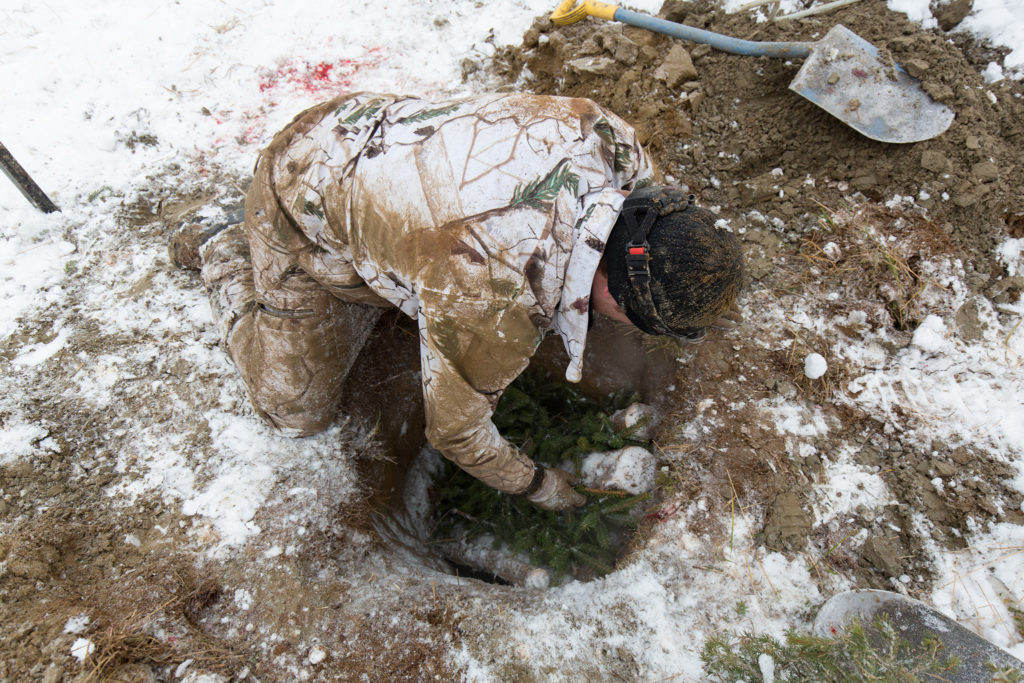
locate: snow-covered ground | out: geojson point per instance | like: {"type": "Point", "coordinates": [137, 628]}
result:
{"type": "Point", "coordinates": [103, 100]}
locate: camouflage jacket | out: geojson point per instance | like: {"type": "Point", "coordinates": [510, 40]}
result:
{"type": "Point", "coordinates": [483, 218]}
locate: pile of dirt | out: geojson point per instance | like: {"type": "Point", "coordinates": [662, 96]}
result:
{"type": "Point", "coordinates": [821, 209]}
{"type": "Point", "coordinates": [729, 128]}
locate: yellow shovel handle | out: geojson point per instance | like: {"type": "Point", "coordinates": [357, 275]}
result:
{"type": "Point", "coordinates": [569, 12]}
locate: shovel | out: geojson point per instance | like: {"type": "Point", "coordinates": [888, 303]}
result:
{"type": "Point", "coordinates": [842, 73]}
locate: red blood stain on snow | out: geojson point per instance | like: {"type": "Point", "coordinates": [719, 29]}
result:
{"type": "Point", "coordinates": [322, 77]}
{"type": "Point", "coordinates": [664, 514]}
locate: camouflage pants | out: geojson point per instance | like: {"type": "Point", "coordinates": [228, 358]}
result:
{"type": "Point", "coordinates": [294, 318]}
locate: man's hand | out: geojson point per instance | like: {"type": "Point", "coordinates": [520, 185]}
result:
{"type": "Point", "coordinates": [556, 492]}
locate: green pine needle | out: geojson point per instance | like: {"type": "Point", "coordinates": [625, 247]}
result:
{"type": "Point", "coordinates": [552, 422]}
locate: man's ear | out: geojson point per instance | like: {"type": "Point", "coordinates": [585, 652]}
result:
{"type": "Point", "coordinates": [601, 298]}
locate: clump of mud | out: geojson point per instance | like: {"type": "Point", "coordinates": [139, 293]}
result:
{"type": "Point", "coordinates": [729, 128]}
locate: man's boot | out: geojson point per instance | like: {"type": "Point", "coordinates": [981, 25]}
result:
{"type": "Point", "coordinates": [193, 234]}
{"type": "Point", "coordinates": [225, 267]}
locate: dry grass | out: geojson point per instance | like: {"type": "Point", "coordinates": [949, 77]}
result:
{"type": "Point", "coordinates": [124, 639]}
{"type": "Point", "coordinates": [873, 252]}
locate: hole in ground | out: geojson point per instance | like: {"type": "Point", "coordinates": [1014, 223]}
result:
{"type": "Point", "coordinates": [384, 391]}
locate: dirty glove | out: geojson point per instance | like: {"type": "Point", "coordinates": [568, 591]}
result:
{"type": "Point", "coordinates": [556, 492]}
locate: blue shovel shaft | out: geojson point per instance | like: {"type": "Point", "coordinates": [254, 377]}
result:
{"type": "Point", "coordinates": [735, 46]}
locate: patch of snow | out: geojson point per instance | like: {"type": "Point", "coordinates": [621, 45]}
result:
{"type": "Point", "coordinates": [628, 469]}
{"type": "Point", "coordinates": [16, 439]}
{"type": "Point", "coordinates": [82, 648]}
{"type": "Point", "coordinates": [794, 418]}
{"type": "Point", "coordinates": [846, 486]}
{"type": "Point", "coordinates": [38, 353]}
{"type": "Point", "coordinates": [974, 585]}
{"type": "Point", "coordinates": [77, 624]}
{"type": "Point", "coordinates": [930, 335]}
{"type": "Point", "coordinates": [767, 666]}
{"type": "Point", "coordinates": [1011, 254]}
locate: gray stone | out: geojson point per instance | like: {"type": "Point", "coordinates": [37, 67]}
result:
{"type": "Point", "coordinates": [615, 43]}
{"type": "Point", "coordinates": [883, 553]}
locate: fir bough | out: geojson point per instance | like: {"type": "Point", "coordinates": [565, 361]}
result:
{"type": "Point", "coordinates": [552, 422]}
{"type": "Point", "coordinates": [860, 653]}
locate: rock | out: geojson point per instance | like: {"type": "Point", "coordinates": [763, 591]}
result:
{"type": "Point", "coordinates": [695, 99]}
{"type": "Point", "coordinates": [940, 92]}
{"type": "Point", "coordinates": [883, 553]}
{"type": "Point", "coordinates": [968, 318]}
{"type": "Point", "coordinates": [676, 10]}
{"type": "Point", "coordinates": [985, 171]}
{"type": "Point", "coordinates": [1006, 290]}
{"type": "Point", "coordinates": [615, 43]}
{"type": "Point", "coordinates": [949, 14]}
{"type": "Point", "coordinates": [531, 37]}
{"type": "Point", "coordinates": [1015, 225]}
{"type": "Point", "coordinates": [864, 182]}
{"type": "Point", "coordinates": [54, 673]}
{"type": "Point", "coordinates": [916, 67]}
{"type": "Point", "coordinates": [700, 51]}
{"type": "Point", "coordinates": [588, 47]}
{"type": "Point", "coordinates": [788, 523]}
{"type": "Point", "coordinates": [596, 66]}
{"type": "Point", "coordinates": [32, 563]}
{"type": "Point", "coordinates": [676, 68]}
{"type": "Point", "coordinates": [972, 142]}
{"type": "Point", "coordinates": [935, 161]}
{"type": "Point", "coordinates": [786, 389]}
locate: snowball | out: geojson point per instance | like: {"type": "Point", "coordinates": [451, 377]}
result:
{"type": "Point", "coordinates": [316, 655]}
{"type": "Point", "coordinates": [815, 365]}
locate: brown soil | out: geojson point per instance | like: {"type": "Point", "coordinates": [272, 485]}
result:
{"type": "Point", "coordinates": [723, 131]}
{"type": "Point", "coordinates": [791, 178]}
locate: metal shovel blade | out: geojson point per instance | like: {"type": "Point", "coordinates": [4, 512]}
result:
{"type": "Point", "coordinates": [844, 76]}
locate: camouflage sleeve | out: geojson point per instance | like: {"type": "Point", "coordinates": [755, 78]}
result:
{"type": "Point", "coordinates": [631, 162]}
{"type": "Point", "coordinates": [467, 360]}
